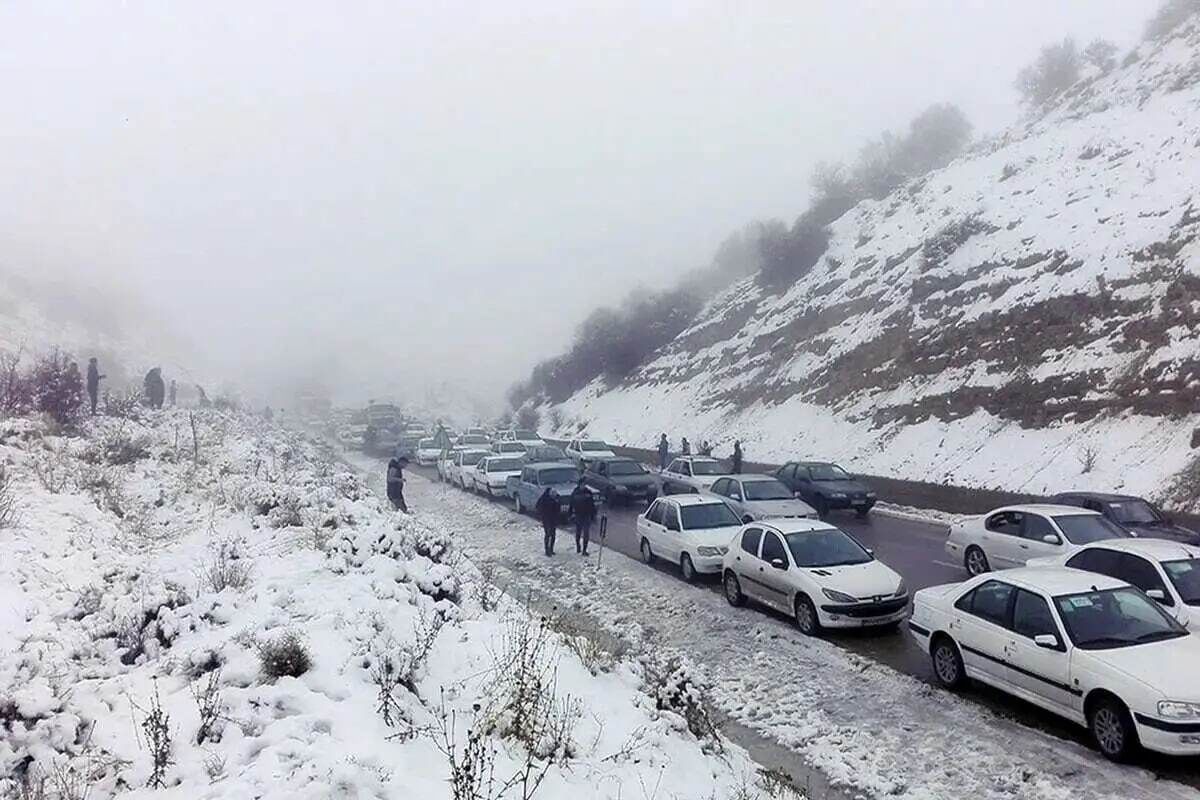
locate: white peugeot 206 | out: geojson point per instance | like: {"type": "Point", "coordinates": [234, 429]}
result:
{"type": "Point", "coordinates": [815, 572]}
{"type": "Point", "coordinates": [1087, 647]}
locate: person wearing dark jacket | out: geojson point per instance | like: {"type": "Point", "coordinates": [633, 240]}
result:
{"type": "Point", "coordinates": [736, 461]}
{"type": "Point", "coordinates": [548, 509]}
{"type": "Point", "coordinates": [395, 483]}
{"type": "Point", "coordinates": [583, 508]}
{"type": "Point", "coordinates": [663, 451]}
{"type": "Point", "coordinates": [685, 447]}
{"type": "Point", "coordinates": [156, 390]}
{"type": "Point", "coordinates": [93, 383]}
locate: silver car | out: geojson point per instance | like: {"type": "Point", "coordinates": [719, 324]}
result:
{"type": "Point", "coordinates": [760, 497]}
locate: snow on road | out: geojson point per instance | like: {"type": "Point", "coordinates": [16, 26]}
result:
{"type": "Point", "coordinates": [861, 724]}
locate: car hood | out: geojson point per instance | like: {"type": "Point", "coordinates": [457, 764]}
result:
{"type": "Point", "coordinates": [845, 487]}
{"type": "Point", "coordinates": [504, 475]}
{"type": "Point", "coordinates": [779, 508]}
{"type": "Point", "coordinates": [1166, 667]}
{"type": "Point", "coordinates": [865, 581]}
{"type": "Point", "coordinates": [563, 490]}
{"type": "Point", "coordinates": [1165, 530]}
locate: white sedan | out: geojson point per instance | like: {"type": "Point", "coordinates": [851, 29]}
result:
{"type": "Point", "coordinates": [491, 475]}
{"type": "Point", "coordinates": [1008, 537]}
{"type": "Point", "coordinates": [1084, 646]}
{"type": "Point", "coordinates": [428, 451]}
{"type": "Point", "coordinates": [814, 572]}
{"type": "Point", "coordinates": [1168, 572]}
{"type": "Point", "coordinates": [581, 450]}
{"type": "Point", "coordinates": [688, 530]}
{"type": "Point", "coordinates": [463, 460]}
{"type": "Point", "coordinates": [697, 472]}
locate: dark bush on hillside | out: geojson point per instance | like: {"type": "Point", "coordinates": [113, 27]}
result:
{"type": "Point", "coordinates": [1169, 17]}
{"type": "Point", "coordinates": [1057, 68]}
{"type": "Point", "coordinates": [1101, 54]}
{"type": "Point", "coordinates": [528, 418]}
{"type": "Point", "coordinates": [286, 655]}
{"type": "Point", "coordinates": [57, 387]}
{"type": "Point", "coordinates": [789, 255]}
{"type": "Point", "coordinates": [16, 391]}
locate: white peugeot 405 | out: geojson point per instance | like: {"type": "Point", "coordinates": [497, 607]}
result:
{"type": "Point", "coordinates": [1090, 648]}
{"type": "Point", "coordinates": [690, 530]}
{"type": "Point", "coordinates": [817, 573]}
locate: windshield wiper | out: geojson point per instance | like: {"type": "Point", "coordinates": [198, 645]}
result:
{"type": "Point", "coordinates": [1158, 635]}
{"type": "Point", "coordinates": [1109, 640]}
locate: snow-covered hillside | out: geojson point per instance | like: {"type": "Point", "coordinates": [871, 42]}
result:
{"type": "Point", "coordinates": [211, 606]}
{"type": "Point", "coordinates": [1025, 318]}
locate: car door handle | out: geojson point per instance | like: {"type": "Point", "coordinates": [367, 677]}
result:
{"type": "Point", "coordinates": [1024, 546]}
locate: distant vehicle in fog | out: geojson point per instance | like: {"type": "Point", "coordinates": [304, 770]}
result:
{"type": "Point", "coordinates": [826, 487]}
{"type": "Point", "coordinates": [473, 440]}
{"type": "Point", "coordinates": [584, 450]}
{"type": "Point", "coordinates": [428, 452]}
{"type": "Point", "coordinates": [621, 480]}
{"type": "Point", "coordinates": [546, 453]}
{"type": "Point", "coordinates": [696, 472]}
{"type": "Point", "coordinates": [1138, 516]}
{"type": "Point", "coordinates": [1009, 537]}
{"type": "Point", "coordinates": [760, 497]}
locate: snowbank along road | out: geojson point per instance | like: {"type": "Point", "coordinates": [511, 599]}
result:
{"type": "Point", "coordinates": [845, 705]}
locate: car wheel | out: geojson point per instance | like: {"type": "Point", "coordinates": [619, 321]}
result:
{"type": "Point", "coordinates": [947, 663]}
{"type": "Point", "coordinates": [647, 553]}
{"type": "Point", "coordinates": [822, 508]}
{"type": "Point", "coordinates": [806, 616]}
{"type": "Point", "coordinates": [687, 569]}
{"type": "Point", "coordinates": [520, 509]}
{"type": "Point", "coordinates": [1112, 729]}
{"type": "Point", "coordinates": [976, 561]}
{"type": "Point", "coordinates": [733, 589]}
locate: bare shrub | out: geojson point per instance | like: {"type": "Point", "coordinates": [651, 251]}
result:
{"type": "Point", "coordinates": [225, 568]}
{"type": "Point", "coordinates": [10, 513]}
{"type": "Point", "coordinates": [156, 726]}
{"type": "Point", "coordinates": [1170, 16]}
{"type": "Point", "coordinates": [676, 687]}
{"type": "Point", "coordinates": [286, 655]}
{"type": "Point", "coordinates": [106, 488]}
{"type": "Point", "coordinates": [1087, 458]}
{"type": "Point", "coordinates": [399, 667]}
{"type": "Point", "coordinates": [53, 469]}
{"type": "Point", "coordinates": [57, 387]}
{"type": "Point", "coordinates": [118, 448]}
{"type": "Point", "coordinates": [485, 589]}
{"type": "Point", "coordinates": [123, 405]}
{"type": "Point", "coordinates": [209, 704]}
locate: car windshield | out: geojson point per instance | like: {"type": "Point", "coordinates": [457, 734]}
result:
{"type": "Point", "coordinates": [546, 454]}
{"type": "Point", "coordinates": [766, 490]}
{"type": "Point", "coordinates": [548, 477]}
{"type": "Point", "coordinates": [619, 468]}
{"type": "Point", "coordinates": [708, 468]}
{"type": "Point", "coordinates": [427, 444]}
{"type": "Point", "coordinates": [472, 457]}
{"type": "Point", "coordinates": [828, 472]}
{"type": "Point", "coordinates": [1121, 617]}
{"type": "Point", "coordinates": [1134, 512]}
{"type": "Point", "coordinates": [1185, 576]}
{"type": "Point", "coordinates": [592, 446]}
{"type": "Point", "coordinates": [1088, 528]}
{"type": "Point", "coordinates": [525, 435]}
{"type": "Point", "coordinates": [503, 464]}
{"type": "Point", "coordinates": [473, 438]}
{"type": "Point", "coordinates": [708, 515]}
{"type": "Point", "coordinates": [827, 548]}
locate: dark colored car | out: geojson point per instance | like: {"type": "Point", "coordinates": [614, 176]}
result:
{"type": "Point", "coordinates": [621, 480]}
{"type": "Point", "coordinates": [544, 454]}
{"type": "Point", "coordinates": [826, 487]}
{"type": "Point", "coordinates": [1138, 516]}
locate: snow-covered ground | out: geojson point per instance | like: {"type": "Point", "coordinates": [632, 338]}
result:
{"type": "Point", "coordinates": [169, 577]}
{"type": "Point", "coordinates": [879, 732]}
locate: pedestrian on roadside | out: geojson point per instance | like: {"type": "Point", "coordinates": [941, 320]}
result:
{"type": "Point", "coordinates": [705, 448]}
{"type": "Point", "coordinates": [548, 509]}
{"type": "Point", "coordinates": [93, 383]}
{"type": "Point", "coordinates": [583, 508]}
{"type": "Point", "coordinates": [736, 460]}
{"type": "Point", "coordinates": [174, 393]}
{"type": "Point", "coordinates": [685, 447]}
{"type": "Point", "coordinates": [395, 483]}
{"type": "Point", "coordinates": [155, 389]}
{"type": "Point", "coordinates": [664, 450]}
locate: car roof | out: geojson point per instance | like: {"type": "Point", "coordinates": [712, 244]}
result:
{"type": "Point", "coordinates": [694, 499]}
{"type": "Point", "coordinates": [798, 525]}
{"type": "Point", "coordinates": [695, 458]}
{"type": "Point", "coordinates": [1156, 549]}
{"type": "Point", "coordinates": [749, 477]}
{"type": "Point", "coordinates": [1056, 580]}
{"type": "Point", "coordinates": [816, 463]}
{"type": "Point", "coordinates": [1103, 497]}
{"type": "Point", "coordinates": [1050, 509]}
{"type": "Point", "coordinates": [548, 464]}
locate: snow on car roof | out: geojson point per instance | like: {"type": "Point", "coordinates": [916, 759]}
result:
{"type": "Point", "coordinates": [1057, 580]}
{"type": "Point", "coordinates": [797, 525]}
{"type": "Point", "coordinates": [754, 477]}
{"type": "Point", "coordinates": [1049, 509]}
{"type": "Point", "coordinates": [1157, 549]}
{"type": "Point", "coordinates": [696, 458]}
{"type": "Point", "coordinates": [694, 499]}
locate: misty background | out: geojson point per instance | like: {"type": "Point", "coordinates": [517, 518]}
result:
{"type": "Point", "coordinates": [370, 199]}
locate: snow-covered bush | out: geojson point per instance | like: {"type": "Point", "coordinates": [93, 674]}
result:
{"type": "Point", "coordinates": [57, 387]}
{"type": "Point", "coordinates": [285, 655]}
{"type": "Point", "coordinates": [677, 687]}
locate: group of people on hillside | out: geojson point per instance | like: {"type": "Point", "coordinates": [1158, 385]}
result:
{"type": "Point", "coordinates": [154, 387]}
{"type": "Point", "coordinates": [685, 449]}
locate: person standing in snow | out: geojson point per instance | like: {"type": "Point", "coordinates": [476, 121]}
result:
{"type": "Point", "coordinates": [155, 388]}
{"type": "Point", "coordinates": [93, 383]}
{"type": "Point", "coordinates": [395, 483]}
{"type": "Point", "coordinates": [174, 393]}
{"type": "Point", "coordinates": [685, 447]}
{"type": "Point", "coordinates": [583, 508]}
{"type": "Point", "coordinates": [736, 460]}
{"type": "Point", "coordinates": [548, 509]}
{"type": "Point", "coordinates": [664, 450]}
{"type": "Point", "coordinates": [705, 448]}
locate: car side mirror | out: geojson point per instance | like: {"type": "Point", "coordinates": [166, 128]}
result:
{"type": "Point", "coordinates": [870, 551]}
{"type": "Point", "coordinates": [778, 563]}
{"type": "Point", "coordinates": [1157, 595]}
{"type": "Point", "coordinates": [736, 495]}
{"type": "Point", "coordinates": [1046, 640]}
{"type": "Point", "coordinates": [1051, 538]}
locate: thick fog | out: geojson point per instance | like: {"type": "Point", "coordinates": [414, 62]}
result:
{"type": "Point", "coordinates": [377, 196]}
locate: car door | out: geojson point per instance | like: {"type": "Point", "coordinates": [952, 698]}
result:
{"type": "Point", "coordinates": [804, 485]}
{"type": "Point", "coordinates": [773, 564]}
{"type": "Point", "coordinates": [981, 629]}
{"type": "Point", "coordinates": [745, 560]}
{"type": "Point", "coordinates": [1035, 530]}
{"type": "Point", "coordinates": [787, 474]}
{"type": "Point", "coordinates": [1040, 674]}
{"type": "Point", "coordinates": [1001, 539]}
{"type": "Point", "coordinates": [673, 533]}
{"type": "Point", "coordinates": [723, 488]}
{"type": "Point", "coordinates": [736, 496]}
{"type": "Point", "coordinates": [1137, 571]}
{"type": "Point", "coordinates": [653, 531]}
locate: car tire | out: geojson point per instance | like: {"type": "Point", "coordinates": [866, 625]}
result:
{"type": "Point", "coordinates": [947, 663]}
{"type": "Point", "coordinates": [821, 507]}
{"type": "Point", "coordinates": [647, 553]}
{"type": "Point", "coordinates": [520, 509]}
{"type": "Point", "coordinates": [1112, 729]}
{"type": "Point", "coordinates": [733, 589]}
{"type": "Point", "coordinates": [687, 570]}
{"type": "Point", "coordinates": [805, 614]}
{"type": "Point", "coordinates": [976, 561]}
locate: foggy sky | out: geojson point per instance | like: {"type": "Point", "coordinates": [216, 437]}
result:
{"type": "Point", "coordinates": [385, 190]}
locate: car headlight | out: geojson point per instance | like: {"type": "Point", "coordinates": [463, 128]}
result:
{"type": "Point", "coordinates": [1174, 709]}
{"type": "Point", "coordinates": [711, 551]}
{"type": "Point", "coordinates": [838, 495]}
{"type": "Point", "coordinates": [901, 590]}
{"type": "Point", "coordinates": [839, 597]}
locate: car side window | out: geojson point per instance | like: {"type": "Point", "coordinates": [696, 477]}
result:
{"type": "Point", "coordinates": [1008, 522]}
{"type": "Point", "coordinates": [990, 601]}
{"type": "Point", "coordinates": [1137, 571]}
{"type": "Point", "coordinates": [735, 490]}
{"type": "Point", "coordinates": [787, 472]}
{"type": "Point", "coordinates": [750, 539]}
{"type": "Point", "coordinates": [1036, 527]}
{"type": "Point", "coordinates": [655, 513]}
{"type": "Point", "coordinates": [674, 467]}
{"type": "Point", "coordinates": [772, 548]}
{"type": "Point", "coordinates": [670, 517]}
{"type": "Point", "coordinates": [719, 487]}
{"type": "Point", "coordinates": [1031, 615]}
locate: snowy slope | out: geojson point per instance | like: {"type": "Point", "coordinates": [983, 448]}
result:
{"type": "Point", "coordinates": [1008, 321]}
